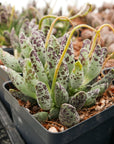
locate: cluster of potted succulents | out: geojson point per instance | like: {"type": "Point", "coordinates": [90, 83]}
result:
{"type": "Point", "coordinates": [47, 75]}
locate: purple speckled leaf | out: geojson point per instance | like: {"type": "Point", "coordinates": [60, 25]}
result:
{"type": "Point", "coordinates": [83, 57]}
{"type": "Point", "coordinates": [20, 84]}
{"type": "Point", "coordinates": [96, 63]}
{"type": "Point", "coordinates": [26, 46]}
{"type": "Point", "coordinates": [68, 115]}
{"type": "Point", "coordinates": [61, 95]}
{"type": "Point", "coordinates": [53, 113]}
{"type": "Point", "coordinates": [108, 78]}
{"type": "Point", "coordinates": [78, 100]}
{"type": "Point", "coordinates": [38, 45]}
{"type": "Point", "coordinates": [14, 40]}
{"type": "Point", "coordinates": [63, 75]}
{"type": "Point", "coordinates": [43, 96]}
{"type": "Point", "coordinates": [29, 75]}
{"type": "Point", "coordinates": [69, 56]}
{"type": "Point", "coordinates": [10, 61]}
{"type": "Point", "coordinates": [76, 76]}
{"type": "Point", "coordinates": [54, 42]}
{"type": "Point", "coordinates": [51, 59]}
{"type": "Point", "coordinates": [38, 67]}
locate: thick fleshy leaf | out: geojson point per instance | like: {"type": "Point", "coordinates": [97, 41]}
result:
{"type": "Point", "coordinates": [41, 116]}
{"type": "Point", "coordinates": [51, 58]}
{"type": "Point", "coordinates": [43, 96]}
{"type": "Point", "coordinates": [68, 115]}
{"type": "Point", "coordinates": [38, 45]}
{"type": "Point", "coordinates": [69, 56]}
{"type": "Point", "coordinates": [61, 95]}
{"type": "Point", "coordinates": [91, 97]}
{"type": "Point", "coordinates": [54, 42]}
{"type": "Point", "coordinates": [76, 76]}
{"type": "Point", "coordinates": [20, 84]}
{"type": "Point", "coordinates": [53, 113]}
{"type": "Point", "coordinates": [29, 75]}
{"type": "Point", "coordinates": [63, 75]}
{"type": "Point", "coordinates": [14, 40]}
{"type": "Point", "coordinates": [78, 100]}
{"type": "Point", "coordinates": [83, 57]}
{"type": "Point", "coordinates": [108, 78]}
{"type": "Point", "coordinates": [26, 46]}
{"type": "Point", "coordinates": [38, 67]}
{"type": "Point", "coordinates": [10, 61]}
{"type": "Point", "coordinates": [96, 63]}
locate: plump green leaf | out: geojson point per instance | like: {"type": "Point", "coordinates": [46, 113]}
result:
{"type": "Point", "coordinates": [38, 67]}
{"type": "Point", "coordinates": [68, 115]}
{"type": "Point", "coordinates": [78, 100]}
{"type": "Point", "coordinates": [76, 76]}
{"type": "Point", "coordinates": [53, 113]}
{"type": "Point", "coordinates": [61, 95]}
{"type": "Point", "coordinates": [10, 61]}
{"type": "Point", "coordinates": [43, 96]}
{"type": "Point", "coordinates": [41, 116]}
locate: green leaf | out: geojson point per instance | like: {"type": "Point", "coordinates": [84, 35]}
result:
{"type": "Point", "coordinates": [76, 77]}
{"type": "Point", "coordinates": [10, 61]}
{"type": "Point", "coordinates": [68, 115]}
{"type": "Point", "coordinates": [43, 96]}
{"type": "Point", "coordinates": [41, 116]}
{"type": "Point", "coordinates": [61, 95]}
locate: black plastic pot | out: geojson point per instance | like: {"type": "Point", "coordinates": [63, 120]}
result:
{"type": "Point", "coordinates": [3, 78]}
{"type": "Point", "coordinates": [95, 130]}
{"type": "Point", "coordinates": [9, 50]}
{"type": "Point", "coordinates": [8, 132]}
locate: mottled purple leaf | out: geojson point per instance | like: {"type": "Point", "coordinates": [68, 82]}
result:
{"type": "Point", "coordinates": [68, 115]}
{"type": "Point", "coordinates": [43, 96]}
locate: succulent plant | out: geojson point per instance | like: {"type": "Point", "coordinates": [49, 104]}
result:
{"type": "Point", "coordinates": [59, 95]}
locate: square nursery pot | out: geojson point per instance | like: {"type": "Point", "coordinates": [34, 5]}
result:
{"type": "Point", "coordinates": [8, 132]}
{"type": "Point", "coordinates": [96, 130]}
{"type": "Point", "coordinates": [9, 50]}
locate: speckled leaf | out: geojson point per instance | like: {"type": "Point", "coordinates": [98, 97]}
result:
{"type": "Point", "coordinates": [63, 75]}
{"type": "Point", "coordinates": [61, 95]}
{"type": "Point", "coordinates": [29, 75]}
{"type": "Point", "coordinates": [38, 34]}
{"type": "Point", "coordinates": [76, 77]}
{"type": "Point", "coordinates": [43, 96]}
{"type": "Point", "coordinates": [78, 100]}
{"type": "Point", "coordinates": [51, 58]}
{"type": "Point", "coordinates": [38, 45]}
{"type": "Point", "coordinates": [14, 40]}
{"type": "Point", "coordinates": [108, 78]}
{"type": "Point", "coordinates": [41, 116]}
{"type": "Point", "coordinates": [91, 97]}
{"type": "Point", "coordinates": [83, 57]}
{"type": "Point", "coordinates": [33, 26]}
{"type": "Point", "coordinates": [38, 67]}
{"type": "Point", "coordinates": [20, 84]}
{"type": "Point", "coordinates": [96, 63]}
{"type": "Point", "coordinates": [69, 56]}
{"type": "Point", "coordinates": [53, 113]}
{"type": "Point", "coordinates": [10, 61]}
{"type": "Point", "coordinates": [54, 42]}
{"type": "Point", "coordinates": [26, 46]}
{"type": "Point", "coordinates": [68, 115]}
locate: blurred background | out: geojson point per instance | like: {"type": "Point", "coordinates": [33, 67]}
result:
{"type": "Point", "coordinates": [55, 4]}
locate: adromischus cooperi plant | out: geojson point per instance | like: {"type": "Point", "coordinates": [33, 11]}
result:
{"type": "Point", "coordinates": [60, 94]}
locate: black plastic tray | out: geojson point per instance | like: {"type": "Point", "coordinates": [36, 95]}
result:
{"type": "Point", "coordinates": [8, 132]}
{"type": "Point", "coordinates": [9, 50]}
{"type": "Point", "coordinates": [96, 130]}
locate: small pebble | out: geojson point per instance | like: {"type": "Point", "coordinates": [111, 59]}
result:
{"type": "Point", "coordinates": [52, 129]}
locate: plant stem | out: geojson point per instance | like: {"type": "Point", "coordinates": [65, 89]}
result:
{"type": "Point", "coordinates": [71, 18]}
{"type": "Point", "coordinates": [51, 28]}
{"type": "Point", "coordinates": [63, 54]}
{"type": "Point", "coordinates": [97, 34]}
